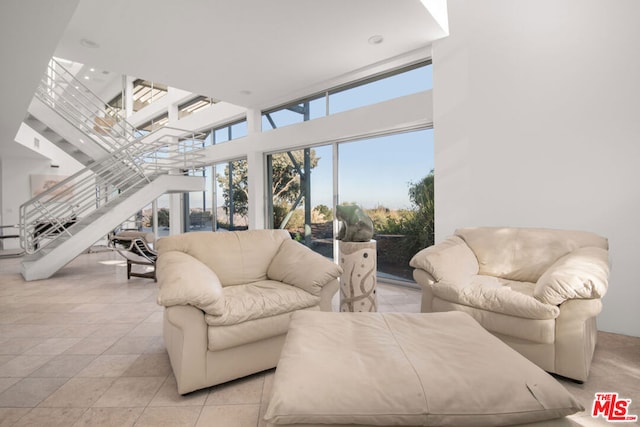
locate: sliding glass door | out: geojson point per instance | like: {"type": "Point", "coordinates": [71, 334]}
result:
{"type": "Point", "coordinates": [389, 177]}
{"type": "Point", "coordinates": [231, 195]}
{"type": "Point", "coordinates": [300, 193]}
{"type": "Point", "coordinates": [198, 205]}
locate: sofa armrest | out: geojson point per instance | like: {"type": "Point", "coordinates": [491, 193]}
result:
{"type": "Point", "coordinates": [297, 265]}
{"type": "Point", "coordinates": [450, 260]}
{"type": "Point", "coordinates": [327, 293]}
{"type": "Point", "coordinates": [576, 336]}
{"type": "Point", "coordinates": [186, 340]}
{"type": "Point", "coordinates": [581, 274]}
{"type": "Point", "coordinates": [183, 280]}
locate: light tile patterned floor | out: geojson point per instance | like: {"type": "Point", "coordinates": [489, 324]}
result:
{"type": "Point", "coordinates": [84, 348]}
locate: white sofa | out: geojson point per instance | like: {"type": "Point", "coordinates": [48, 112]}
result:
{"type": "Point", "coordinates": [539, 290]}
{"type": "Point", "coordinates": [228, 299]}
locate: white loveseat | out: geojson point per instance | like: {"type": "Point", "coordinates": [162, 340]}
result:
{"type": "Point", "coordinates": [539, 290]}
{"type": "Point", "coordinates": [228, 299]}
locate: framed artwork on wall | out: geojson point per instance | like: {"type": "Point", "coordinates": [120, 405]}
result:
{"type": "Point", "coordinates": [41, 183]}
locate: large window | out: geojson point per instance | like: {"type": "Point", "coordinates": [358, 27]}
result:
{"type": "Point", "coordinates": [298, 112]}
{"type": "Point", "coordinates": [163, 203]}
{"type": "Point", "coordinates": [300, 193]}
{"type": "Point", "coordinates": [391, 178]}
{"type": "Point", "coordinates": [224, 133]}
{"type": "Point", "coordinates": [144, 93]}
{"type": "Point", "coordinates": [198, 205]}
{"type": "Point", "coordinates": [194, 105]}
{"type": "Point", "coordinates": [377, 90]}
{"type": "Point", "coordinates": [224, 204]}
{"type": "Point", "coordinates": [359, 94]}
{"type": "Point", "coordinates": [153, 124]}
{"type": "Point", "coordinates": [231, 195]}
{"type": "Point", "coordinates": [229, 132]}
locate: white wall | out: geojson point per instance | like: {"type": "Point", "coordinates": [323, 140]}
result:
{"type": "Point", "coordinates": [537, 123]}
{"type": "Point", "coordinates": [16, 171]}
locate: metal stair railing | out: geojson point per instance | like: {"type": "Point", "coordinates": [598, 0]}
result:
{"type": "Point", "coordinates": [78, 105]}
{"type": "Point", "coordinates": [53, 214]}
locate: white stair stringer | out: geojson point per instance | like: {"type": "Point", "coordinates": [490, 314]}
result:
{"type": "Point", "coordinates": [36, 126]}
{"type": "Point", "coordinates": [71, 134]}
{"type": "Point", "coordinates": [48, 261]}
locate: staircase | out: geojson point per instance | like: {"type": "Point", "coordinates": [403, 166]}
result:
{"type": "Point", "coordinates": [46, 121]}
{"type": "Point", "coordinates": [124, 172]}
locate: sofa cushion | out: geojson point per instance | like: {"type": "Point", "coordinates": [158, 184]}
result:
{"type": "Point", "coordinates": [184, 280]}
{"type": "Point", "coordinates": [237, 257]}
{"type": "Point", "coordinates": [542, 331]}
{"type": "Point", "coordinates": [582, 273]}
{"type": "Point", "coordinates": [498, 295]}
{"type": "Point", "coordinates": [297, 265]}
{"type": "Point", "coordinates": [227, 336]}
{"type": "Point", "coordinates": [523, 254]}
{"type": "Point", "coordinates": [450, 260]}
{"type": "Point", "coordinates": [259, 300]}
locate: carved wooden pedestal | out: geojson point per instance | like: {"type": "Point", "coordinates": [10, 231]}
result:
{"type": "Point", "coordinates": [358, 281]}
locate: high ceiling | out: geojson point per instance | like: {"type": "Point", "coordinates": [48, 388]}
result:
{"type": "Point", "coordinates": [29, 31]}
{"type": "Point", "coordinates": [253, 53]}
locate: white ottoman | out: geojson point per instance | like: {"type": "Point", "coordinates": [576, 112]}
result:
{"type": "Point", "coordinates": [409, 369]}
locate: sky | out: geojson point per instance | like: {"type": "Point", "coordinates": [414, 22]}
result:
{"type": "Point", "coordinates": [374, 172]}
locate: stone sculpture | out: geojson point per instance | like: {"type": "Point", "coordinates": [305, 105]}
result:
{"type": "Point", "coordinates": [355, 225]}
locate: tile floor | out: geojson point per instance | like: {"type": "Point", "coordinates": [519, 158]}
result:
{"type": "Point", "coordinates": [84, 348]}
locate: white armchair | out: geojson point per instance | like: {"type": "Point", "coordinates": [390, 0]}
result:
{"type": "Point", "coordinates": [228, 299]}
{"type": "Point", "coordinates": [539, 290]}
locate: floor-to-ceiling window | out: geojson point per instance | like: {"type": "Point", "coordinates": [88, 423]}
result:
{"type": "Point", "coordinates": [391, 179]}
{"type": "Point", "coordinates": [231, 210]}
{"type": "Point", "coordinates": [163, 213]}
{"type": "Point", "coordinates": [301, 195]}
{"type": "Point", "coordinates": [390, 176]}
{"type": "Point", "coordinates": [198, 205]}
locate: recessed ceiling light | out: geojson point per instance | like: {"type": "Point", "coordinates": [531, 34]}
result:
{"type": "Point", "coordinates": [376, 39]}
{"type": "Point", "coordinates": [92, 69]}
{"type": "Point", "coordinates": [89, 43]}
{"type": "Point", "coordinates": [245, 92]}
{"type": "Point", "coordinates": [86, 77]}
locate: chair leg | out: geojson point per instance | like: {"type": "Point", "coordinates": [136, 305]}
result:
{"type": "Point", "coordinates": [128, 270]}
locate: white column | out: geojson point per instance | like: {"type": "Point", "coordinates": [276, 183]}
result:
{"type": "Point", "coordinates": [172, 113]}
{"type": "Point", "coordinates": [154, 210]}
{"type": "Point", "coordinates": [128, 95]}
{"type": "Point", "coordinates": [175, 213]}
{"type": "Point", "coordinates": [256, 171]}
{"type": "Point", "coordinates": [254, 121]}
{"type": "Point", "coordinates": [257, 203]}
